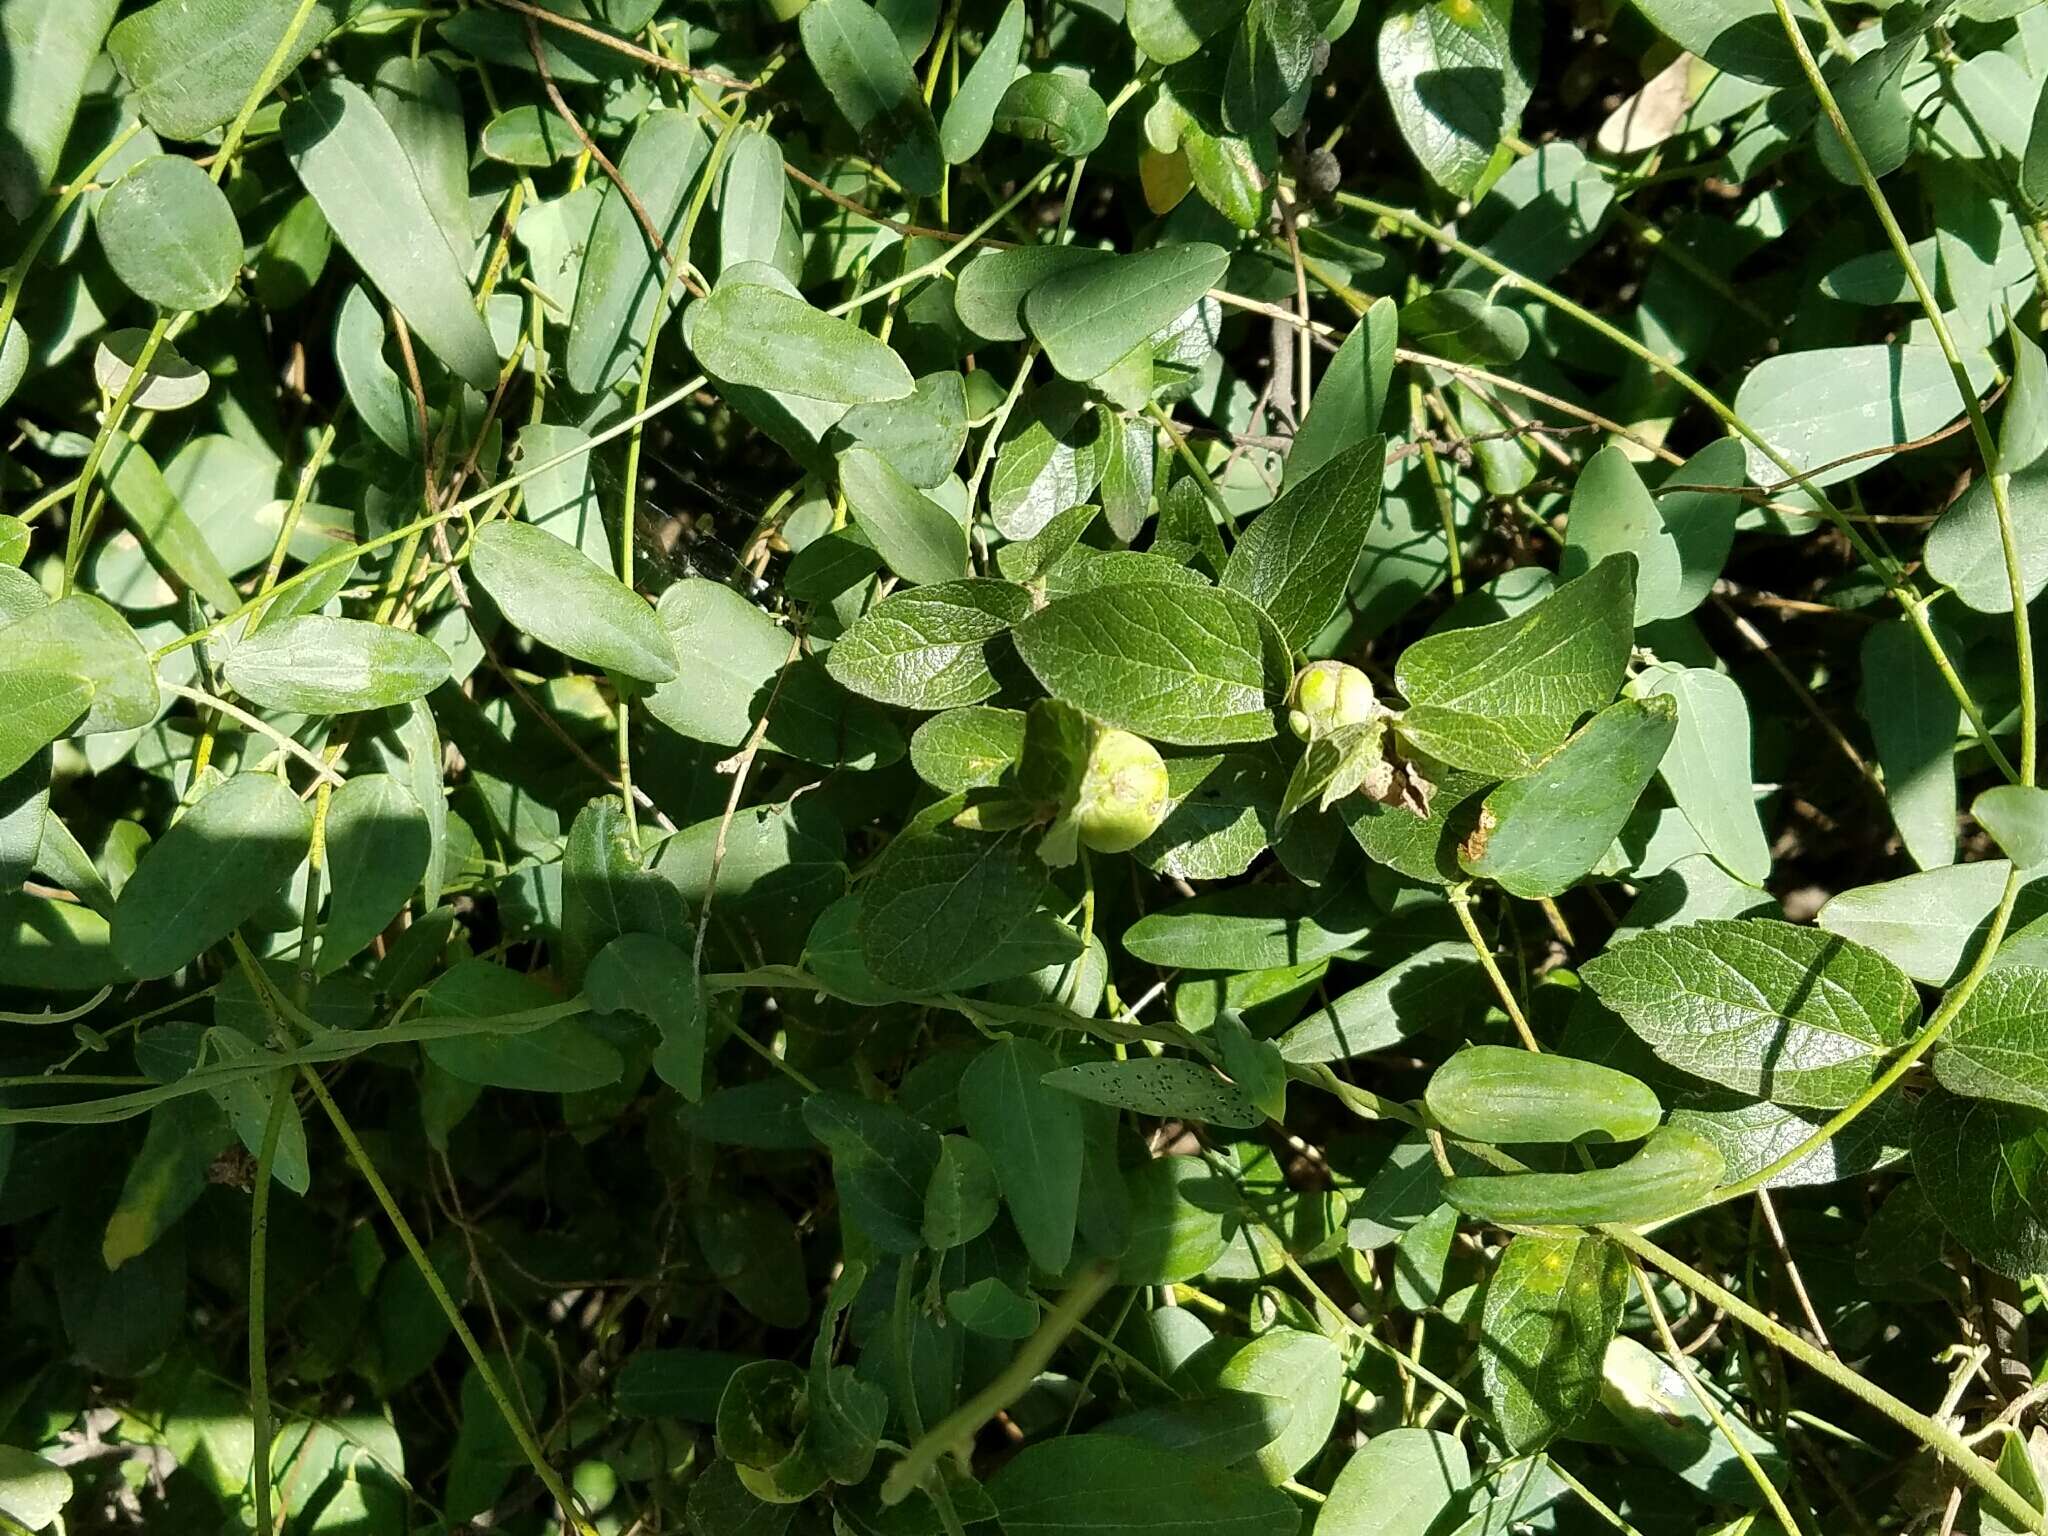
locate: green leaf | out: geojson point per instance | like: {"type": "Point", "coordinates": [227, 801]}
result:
{"type": "Point", "coordinates": [563, 599]}
{"type": "Point", "coordinates": [2016, 816]}
{"type": "Point", "coordinates": [990, 294]}
{"type": "Point", "coordinates": [857, 57]}
{"type": "Point", "coordinates": [202, 878]}
{"type": "Point", "coordinates": [1743, 37]}
{"type": "Point", "coordinates": [920, 436]}
{"type": "Point", "coordinates": [378, 845]}
{"type": "Point", "coordinates": [622, 280]}
{"type": "Point", "coordinates": [1669, 1175]}
{"type": "Point", "coordinates": [1611, 514]}
{"type": "Point", "coordinates": [1457, 76]}
{"type": "Point", "coordinates": [1913, 718]}
{"type": "Point", "coordinates": [735, 650]}
{"type": "Point", "coordinates": [1047, 550]}
{"type": "Point", "coordinates": [1171, 30]}
{"type": "Point", "coordinates": [753, 211]}
{"type": "Point", "coordinates": [1167, 1087]}
{"type": "Point", "coordinates": [1538, 835]}
{"type": "Point", "coordinates": [1351, 395]}
{"type": "Point", "coordinates": [645, 974]}
{"type": "Point", "coordinates": [312, 665]}
{"type": "Point", "coordinates": [160, 522]}
{"type": "Point", "coordinates": [1224, 1427]}
{"type": "Point", "coordinates": [1054, 108]}
{"type": "Point", "coordinates": [1308, 1369]}
{"type": "Point", "coordinates": [1994, 1048]}
{"type": "Point", "coordinates": [920, 540]}
{"type": "Point", "coordinates": [560, 1057]}
{"type": "Point", "coordinates": [972, 112]}
{"type": "Point", "coordinates": [1819, 406]}
{"type": "Point", "coordinates": [1464, 327]}
{"type": "Point", "coordinates": [1087, 316]}
{"type": "Point", "coordinates": [2033, 172]}
{"type": "Point", "coordinates": [967, 748]}
{"type": "Point", "coordinates": [941, 899]}
{"type": "Point", "coordinates": [1296, 558]}
{"type": "Point", "coordinates": [1051, 460]}
{"type": "Point", "coordinates": [882, 1162]}
{"type": "Point", "coordinates": [1010, 1099]}
{"type": "Point", "coordinates": [748, 333]}
{"type": "Point", "coordinates": [1228, 173]}
{"type": "Point", "coordinates": [1552, 1306]}
{"type": "Point", "coordinates": [170, 235]}
{"type": "Point", "coordinates": [1496, 698]}
{"type": "Point", "coordinates": [1503, 1094]}
{"type": "Point", "coordinates": [1254, 927]}
{"type": "Point", "coordinates": [1192, 666]}
{"type": "Point", "coordinates": [354, 166]}
{"type": "Point", "coordinates": [1271, 60]}
{"type": "Point", "coordinates": [1106, 1485]}
{"type": "Point", "coordinates": [37, 708]}
{"type": "Point", "coordinates": [1176, 1221]}
{"type": "Point", "coordinates": [1928, 924]}
{"type": "Point", "coordinates": [532, 136]}
{"type": "Point", "coordinates": [1702, 521]}
{"type": "Point", "coordinates": [1436, 984]}
{"type": "Point", "coordinates": [192, 63]}
{"type": "Point", "coordinates": [961, 1204]}
{"type": "Point", "coordinates": [1707, 767]}
{"type": "Point", "coordinates": [1964, 549]}
{"type": "Point", "coordinates": [1984, 1168]}
{"type": "Point", "coordinates": [33, 1491]}
{"type": "Point", "coordinates": [931, 648]}
{"type": "Point", "coordinates": [1400, 1484]}
{"type": "Point", "coordinates": [14, 359]}
{"type": "Point", "coordinates": [166, 1179]}
{"type": "Point", "coordinates": [63, 38]}
{"type": "Point", "coordinates": [1791, 1014]}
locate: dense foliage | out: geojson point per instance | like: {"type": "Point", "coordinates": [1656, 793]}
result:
{"type": "Point", "coordinates": [1073, 768]}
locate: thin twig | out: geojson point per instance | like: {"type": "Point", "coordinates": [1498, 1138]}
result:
{"type": "Point", "coordinates": [604, 161]}
{"type": "Point", "coordinates": [631, 50]}
{"type": "Point", "coordinates": [1770, 1215]}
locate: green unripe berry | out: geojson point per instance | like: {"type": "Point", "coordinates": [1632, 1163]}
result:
{"type": "Point", "coordinates": [595, 1483]}
{"type": "Point", "coordinates": [1326, 695]}
{"type": "Point", "coordinates": [1123, 793]}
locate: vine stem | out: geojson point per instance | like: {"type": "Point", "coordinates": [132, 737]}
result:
{"type": "Point", "coordinates": [1906, 596]}
{"type": "Point", "coordinates": [1461, 903]}
{"type": "Point", "coordinates": [550, 1479]}
{"type": "Point", "coordinates": [1937, 1026]}
{"type": "Point", "coordinates": [259, 1267]}
{"type": "Point", "coordinates": [1712, 1409]}
{"type": "Point", "coordinates": [1931, 1432]}
{"type": "Point", "coordinates": [1980, 429]}
{"type": "Point", "coordinates": [1009, 1384]}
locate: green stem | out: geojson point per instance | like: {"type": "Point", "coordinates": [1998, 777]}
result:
{"type": "Point", "coordinates": [1936, 1435]}
{"type": "Point", "coordinates": [521, 1432]}
{"type": "Point", "coordinates": [1461, 903]}
{"type": "Point", "coordinates": [233, 139]}
{"type": "Point", "coordinates": [1712, 1409]}
{"type": "Point", "coordinates": [1980, 429]}
{"type": "Point", "coordinates": [259, 1265]}
{"type": "Point", "coordinates": [1009, 1384]}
